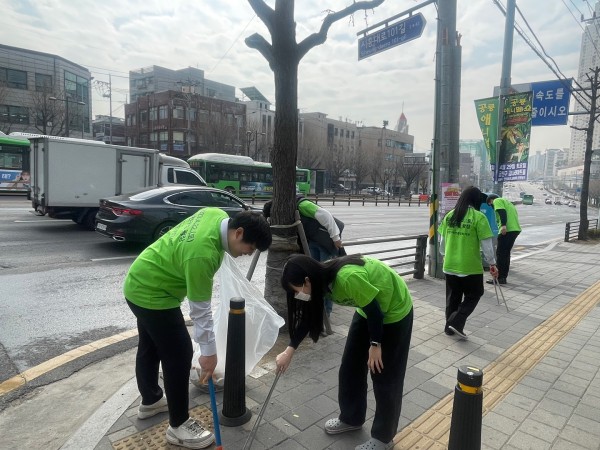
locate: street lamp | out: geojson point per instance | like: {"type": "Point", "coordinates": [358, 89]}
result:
{"type": "Point", "coordinates": [67, 100]}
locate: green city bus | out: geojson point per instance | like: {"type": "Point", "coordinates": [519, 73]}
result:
{"type": "Point", "coordinates": [242, 175]}
{"type": "Point", "coordinates": [14, 164]}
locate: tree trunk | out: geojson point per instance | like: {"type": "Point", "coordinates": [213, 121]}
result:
{"type": "Point", "coordinates": [587, 160]}
{"type": "Point", "coordinates": [285, 152]}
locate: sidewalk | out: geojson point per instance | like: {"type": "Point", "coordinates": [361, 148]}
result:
{"type": "Point", "coordinates": [540, 363]}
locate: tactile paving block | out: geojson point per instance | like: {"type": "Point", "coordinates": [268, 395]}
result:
{"type": "Point", "coordinates": [154, 437]}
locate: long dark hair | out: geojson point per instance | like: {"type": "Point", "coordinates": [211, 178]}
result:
{"type": "Point", "coordinates": [471, 196]}
{"type": "Point", "coordinates": [295, 271]}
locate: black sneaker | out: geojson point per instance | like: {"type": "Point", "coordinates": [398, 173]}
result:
{"type": "Point", "coordinates": [461, 333]}
{"type": "Point", "coordinates": [499, 281]}
{"type": "Point", "coordinates": [448, 331]}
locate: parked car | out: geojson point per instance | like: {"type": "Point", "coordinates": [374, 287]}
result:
{"type": "Point", "coordinates": [145, 216]}
{"type": "Point", "coordinates": [340, 188]}
{"type": "Point", "coordinates": [557, 202]}
{"type": "Point", "coordinates": [548, 201]}
{"type": "Point", "coordinates": [373, 191]}
{"type": "Point", "coordinates": [572, 204]}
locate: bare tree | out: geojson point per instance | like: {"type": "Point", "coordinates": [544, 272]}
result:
{"type": "Point", "coordinates": [359, 165]}
{"type": "Point", "coordinates": [310, 152]}
{"type": "Point", "coordinates": [5, 123]}
{"type": "Point", "coordinates": [411, 172]}
{"type": "Point", "coordinates": [593, 78]}
{"type": "Point", "coordinates": [283, 54]}
{"type": "Point", "coordinates": [336, 161]}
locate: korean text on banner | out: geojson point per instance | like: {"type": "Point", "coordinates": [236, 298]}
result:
{"type": "Point", "coordinates": [550, 102]}
{"type": "Point", "coordinates": [516, 131]}
{"type": "Point", "coordinates": [487, 116]}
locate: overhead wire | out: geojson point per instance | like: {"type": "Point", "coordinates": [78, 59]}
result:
{"type": "Point", "coordinates": [537, 51]}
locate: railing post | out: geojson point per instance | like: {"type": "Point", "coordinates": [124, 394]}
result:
{"type": "Point", "coordinates": [333, 199]}
{"type": "Point", "coordinates": [363, 200]}
{"type": "Point", "coordinates": [420, 259]}
{"type": "Point", "coordinates": [253, 197]}
{"type": "Point", "coordinates": [348, 199]}
{"type": "Point", "coordinates": [316, 199]}
{"type": "Point", "coordinates": [567, 231]}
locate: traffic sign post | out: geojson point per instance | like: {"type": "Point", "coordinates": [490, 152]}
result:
{"type": "Point", "coordinates": [391, 36]}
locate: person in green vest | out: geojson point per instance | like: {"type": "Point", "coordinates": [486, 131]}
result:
{"type": "Point", "coordinates": [323, 232]}
{"type": "Point", "coordinates": [182, 263]}
{"type": "Point", "coordinates": [378, 338]}
{"type": "Point", "coordinates": [464, 231]}
{"type": "Point", "coordinates": [508, 218]}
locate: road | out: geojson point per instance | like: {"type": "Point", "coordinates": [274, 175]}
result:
{"type": "Point", "coordinates": [61, 285]}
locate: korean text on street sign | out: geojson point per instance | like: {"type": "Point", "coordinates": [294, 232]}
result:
{"type": "Point", "coordinates": [550, 102]}
{"type": "Point", "coordinates": [391, 36]}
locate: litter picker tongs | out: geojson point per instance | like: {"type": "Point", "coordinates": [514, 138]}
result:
{"type": "Point", "coordinates": [498, 288]}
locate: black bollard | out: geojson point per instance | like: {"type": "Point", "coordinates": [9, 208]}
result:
{"type": "Point", "coordinates": [234, 412]}
{"type": "Point", "coordinates": [465, 428]}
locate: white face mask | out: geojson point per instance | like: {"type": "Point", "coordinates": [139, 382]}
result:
{"type": "Point", "coordinates": [302, 296]}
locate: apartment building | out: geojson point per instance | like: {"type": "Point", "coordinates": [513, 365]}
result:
{"type": "Point", "coordinates": [43, 93]}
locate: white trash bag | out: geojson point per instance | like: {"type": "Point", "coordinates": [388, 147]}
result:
{"type": "Point", "coordinates": [262, 322]}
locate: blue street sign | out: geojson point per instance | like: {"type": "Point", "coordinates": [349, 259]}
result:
{"type": "Point", "coordinates": [550, 102]}
{"type": "Point", "coordinates": [391, 36]}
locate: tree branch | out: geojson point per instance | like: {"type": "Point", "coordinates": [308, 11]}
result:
{"type": "Point", "coordinates": [319, 38]}
{"type": "Point", "coordinates": [579, 128]}
{"type": "Point", "coordinates": [257, 42]}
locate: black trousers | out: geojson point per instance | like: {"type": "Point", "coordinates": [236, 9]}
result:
{"type": "Point", "coordinates": [387, 385]}
{"type": "Point", "coordinates": [505, 245]}
{"type": "Point", "coordinates": [163, 338]}
{"type": "Point", "coordinates": [457, 308]}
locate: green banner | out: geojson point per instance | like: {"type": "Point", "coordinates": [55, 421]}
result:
{"type": "Point", "coordinates": [516, 131]}
{"type": "Point", "coordinates": [487, 116]}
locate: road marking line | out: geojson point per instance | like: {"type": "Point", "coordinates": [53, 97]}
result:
{"type": "Point", "coordinates": [45, 221]}
{"type": "Point", "coordinates": [53, 363]}
{"type": "Point", "coordinates": [501, 376]}
{"type": "Point", "coordinates": [112, 258]}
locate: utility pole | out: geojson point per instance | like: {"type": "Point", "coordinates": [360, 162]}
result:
{"type": "Point", "coordinates": [593, 79]}
{"type": "Point", "coordinates": [505, 80]}
{"type": "Point", "coordinates": [105, 90]}
{"type": "Point", "coordinates": [446, 121]}
{"type": "Point", "coordinates": [189, 83]}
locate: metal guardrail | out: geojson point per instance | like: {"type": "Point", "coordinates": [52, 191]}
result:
{"type": "Point", "coordinates": [572, 228]}
{"type": "Point", "coordinates": [369, 199]}
{"type": "Point", "coordinates": [395, 255]}
{"type": "Point", "coordinates": [349, 199]}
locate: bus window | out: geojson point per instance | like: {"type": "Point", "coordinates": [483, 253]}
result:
{"type": "Point", "coordinates": [300, 177]}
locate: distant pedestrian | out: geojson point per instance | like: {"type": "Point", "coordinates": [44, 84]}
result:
{"type": "Point", "coordinates": [181, 264]}
{"type": "Point", "coordinates": [508, 218]}
{"type": "Point", "coordinates": [464, 231]}
{"type": "Point", "coordinates": [378, 338]}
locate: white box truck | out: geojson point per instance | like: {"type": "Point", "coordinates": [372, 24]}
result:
{"type": "Point", "coordinates": [69, 176]}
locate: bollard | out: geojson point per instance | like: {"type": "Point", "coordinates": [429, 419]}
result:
{"type": "Point", "coordinates": [465, 428]}
{"type": "Point", "coordinates": [234, 412]}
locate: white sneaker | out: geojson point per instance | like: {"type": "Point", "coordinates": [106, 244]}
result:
{"type": "Point", "coordinates": [190, 434]}
{"type": "Point", "coordinates": [146, 411]}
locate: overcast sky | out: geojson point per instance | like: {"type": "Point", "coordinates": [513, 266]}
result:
{"type": "Point", "coordinates": [115, 36]}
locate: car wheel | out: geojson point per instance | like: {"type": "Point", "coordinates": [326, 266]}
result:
{"type": "Point", "coordinates": [162, 229]}
{"type": "Point", "coordinates": [89, 220]}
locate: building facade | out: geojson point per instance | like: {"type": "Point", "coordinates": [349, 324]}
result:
{"type": "Point", "coordinates": [260, 125]}
{"type": "Point", "coordinates": [347, 152]}
{"type": "Point", "coordinates": [154, 79]}
{"type": "Point", "coordinates": [109, 131]}
{"type": "Point", "coordinates": [183, 124]}
{"type": "Point", "coordinates": [43, 93]}
{"type": "Point", "coordinates": [588, 58]}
